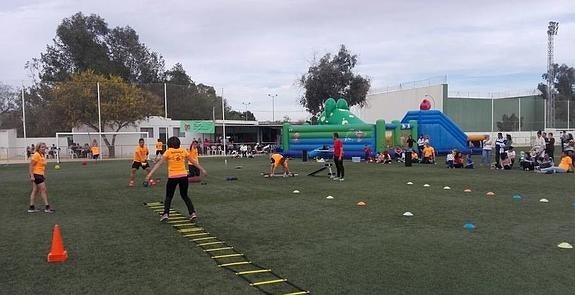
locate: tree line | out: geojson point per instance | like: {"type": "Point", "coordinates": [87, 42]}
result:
{"type": "Point", "coordinates": [85, 52]}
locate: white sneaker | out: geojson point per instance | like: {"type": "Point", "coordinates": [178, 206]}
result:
{"type": "Point", "coordinates": [341, 179]}
{"type": "Point", "coordinates": [164, 217]}
{"type": "Point", "coordinates": [335, 178]}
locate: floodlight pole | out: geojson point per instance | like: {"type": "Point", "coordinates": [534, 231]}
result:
{"type": "Point", "coordinates": [551, 104]}
{"type": "Point", "coordinates": [273, 96]}
{"type": "Point", "coordinates": [99, 118]}
{"type": "Point", "coordinates": [23, 113]}
{"type": "Point", "coordinates": [165, 101]}
{"type": "Point", "coordinates": [246, 104]}
{"type": "Point", "coordinates": [224, 124]}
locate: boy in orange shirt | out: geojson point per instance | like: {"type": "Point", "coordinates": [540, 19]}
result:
{"type": "Point", "coordinates": [177, 158]}
{"type": "Point", "coordinates": [36, 170]}
{"type": "Point", "coordinates": [159, 149]}
{"type": "Point", "coordinates": [140, 160]}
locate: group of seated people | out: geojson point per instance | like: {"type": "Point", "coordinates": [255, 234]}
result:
{"type": "Point", "coordinates": [398, 154]}
{"type": "Point", "coordinates": [455, 160]}
{"type": "Point", "coordinates": [542, 162]}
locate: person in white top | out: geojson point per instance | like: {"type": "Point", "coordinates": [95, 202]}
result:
{"type": "Point", "coordinates": [420, 144]}
{"type": "Point", "coordinates": [486, 153]}
{"type": "Point", "coordinates": [539, 145]}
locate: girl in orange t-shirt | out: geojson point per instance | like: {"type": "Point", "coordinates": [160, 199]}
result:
{"type": "Point", "coordinates": [177, 158]}
{"type": "Point", "coordinates": [36, 170]}
{"type": "Point", "coordinates": [95, 149]}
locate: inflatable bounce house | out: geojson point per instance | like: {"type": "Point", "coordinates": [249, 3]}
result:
{"type": "Point", "coordinates": [444, 134]}
{"type": "Point", "coordinates": [314, 140]}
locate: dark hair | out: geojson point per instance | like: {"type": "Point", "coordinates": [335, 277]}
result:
{"type": "Point", "coordinates": [174, 142]}
{"type": "Point", "coordinates": [335, 135]}
{"type": "Point", "coordinates": [141, 139]}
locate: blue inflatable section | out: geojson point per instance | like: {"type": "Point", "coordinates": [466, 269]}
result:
{"type": "Point", "coordinates": [443, 133]}
{"type": "Point", "coordinates": [352, 147]}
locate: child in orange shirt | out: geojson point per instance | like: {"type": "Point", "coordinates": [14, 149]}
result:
{"type": "Point", "coordinates": [177, 159]}
{"type": "Point", "coordinates": [36, 170]}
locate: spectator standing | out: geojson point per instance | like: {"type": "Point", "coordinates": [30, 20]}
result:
{"type": "Point", "coordinates": [539, 145]}
{"type": "Point", "coordinates": [550, 145]}
{"type": "Point", "coordinates": [499, 147]}
{"type": "Point", "coordinates": [486, 153]}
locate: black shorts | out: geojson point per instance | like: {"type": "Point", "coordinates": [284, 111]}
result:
{"type": "Point", "coordinates": [39, 178]}
{"type": "Point", "coordinates": [193, 171]}
{"type": "Point", "coordinates": [95, 157]}
{"type": "Point", "coordinates": [136, 165]}
{"type": "Point", "coordinates": [159, 152]}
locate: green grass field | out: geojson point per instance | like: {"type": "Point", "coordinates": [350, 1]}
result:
{"type": "Point", "coordinates": [118, 246]}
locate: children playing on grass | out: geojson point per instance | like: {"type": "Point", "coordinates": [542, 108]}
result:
{"type": "Point", "coordinates": [277, 160]}
{"type": "Point", "coordinates": [36, 171]}
{"type": "Point", "coordinates": [177, 159]}
{"type": "Point", "coordinates": [140, 160]}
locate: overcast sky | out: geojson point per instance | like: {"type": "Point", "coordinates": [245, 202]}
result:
{"type": "Point", "coordinates": [252, 48]}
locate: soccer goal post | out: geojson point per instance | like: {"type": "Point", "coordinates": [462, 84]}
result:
{"type": "Point", "coordinates": [118, 145]}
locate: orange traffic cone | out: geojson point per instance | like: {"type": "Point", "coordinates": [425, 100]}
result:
{"type": "Point", "coordinates": [57, 253]}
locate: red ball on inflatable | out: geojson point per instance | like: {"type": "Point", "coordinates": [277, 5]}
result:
{"type": "Point", "coordinates": [425, 105]}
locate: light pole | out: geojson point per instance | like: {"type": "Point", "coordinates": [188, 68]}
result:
{"type": "Point", "coordinates": [246, 104]}
{"type": "Point", "coordinates": [273, 96]}
{"type": "Point", "coordinates": [551, 104]}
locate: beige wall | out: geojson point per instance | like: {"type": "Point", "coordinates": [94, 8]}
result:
{"type": "Point", "coordinates": [394, 105]}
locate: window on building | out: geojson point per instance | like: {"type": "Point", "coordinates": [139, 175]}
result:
{"type": "Point", "coordinates": [178, 133]}
{"type": "Point", "coordinates": [149, 130]}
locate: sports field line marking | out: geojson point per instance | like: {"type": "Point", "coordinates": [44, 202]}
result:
{"type": "Point", "coordinates": [218, 249]}
{"type": "Point", "coordinates": [177, 218]}
{"type": "Point", "coordinates": [154, 204]}
{"type": "Point", "coordinates": [227, 256]}
{"type": "Point", "coordinates": [210, 243]}
{"type": "Point", "coordinates": [234, 263]}
{"type": "Point", "coordinates": [268, 282]}
{"type": "Point", "coordinates": [196, 235]}
{"type": "Point", "coordinates": [193, 229]}
{"type": "Point", "coordinates": [202, 239]}
{"type": "Point", "coordinates": [184, 224]}
{"type": "Point", "coordinates": [179, 221]}
{"type": "Point", "coordinates": [247, 272]}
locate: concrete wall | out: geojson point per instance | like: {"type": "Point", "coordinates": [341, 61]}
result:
{"type": "Point", "coordinates": [394, 105]}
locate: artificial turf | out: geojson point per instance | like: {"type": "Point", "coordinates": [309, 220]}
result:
{"type": "Point", "coordinates": [118, 246]}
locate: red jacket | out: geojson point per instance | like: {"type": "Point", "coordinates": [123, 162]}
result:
{"type": "Point", "coordinates": [337, 148]}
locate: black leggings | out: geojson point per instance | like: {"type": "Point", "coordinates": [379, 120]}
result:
{"type": "Point", "coordinates": [339, 167]}
{"type": "Point", "coordinates": [171, 189]}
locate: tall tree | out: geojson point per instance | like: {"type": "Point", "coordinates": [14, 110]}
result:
{"type": "Point", "coordinates": [9, 107]}
{"type": "Point", "coordinates": [563, 85]}
{"type": "Point", "coordinates": [186, 100]}
{"type": "Point", "coordinates": [332, 76]}
{"type": "Point", "coordinates": [122, 104]}
{"type": "Point", "coordinates": [86, 43]}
